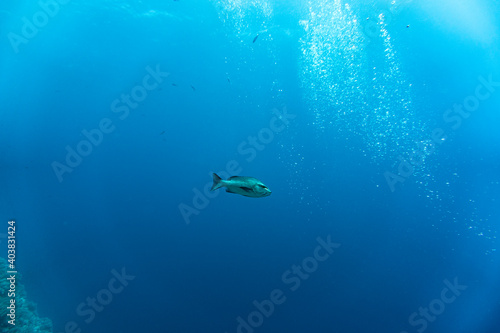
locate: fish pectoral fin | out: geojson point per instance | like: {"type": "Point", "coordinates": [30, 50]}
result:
{"type": "Point", "coordinates": [246, 189]}
{"type": "Point", "coordinates": [229, 191]}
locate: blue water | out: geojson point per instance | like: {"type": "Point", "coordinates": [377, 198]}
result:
{"type": "Point", "coordinates": [374, 124]}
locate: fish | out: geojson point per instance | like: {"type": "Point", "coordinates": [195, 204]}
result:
{"type": "Point", "coordinates": [246, 186]}
{"type": "Point", "coordinates": [255, 38]}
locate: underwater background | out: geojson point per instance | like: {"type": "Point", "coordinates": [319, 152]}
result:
{"type": "Point", "coordinates": [374, 123]}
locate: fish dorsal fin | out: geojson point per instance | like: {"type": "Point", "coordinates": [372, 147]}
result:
{"type": "Point", "coordinates": [232, 177]}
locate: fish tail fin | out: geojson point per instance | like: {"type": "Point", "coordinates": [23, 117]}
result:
{"type": "Point", "coordinates": [218, 182]}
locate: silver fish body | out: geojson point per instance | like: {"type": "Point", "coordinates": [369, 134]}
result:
{"type": "Point", "coordinates": [247, 186]}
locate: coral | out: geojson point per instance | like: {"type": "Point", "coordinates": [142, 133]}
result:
{"type": "Point", "coordinates": [27, 319]}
